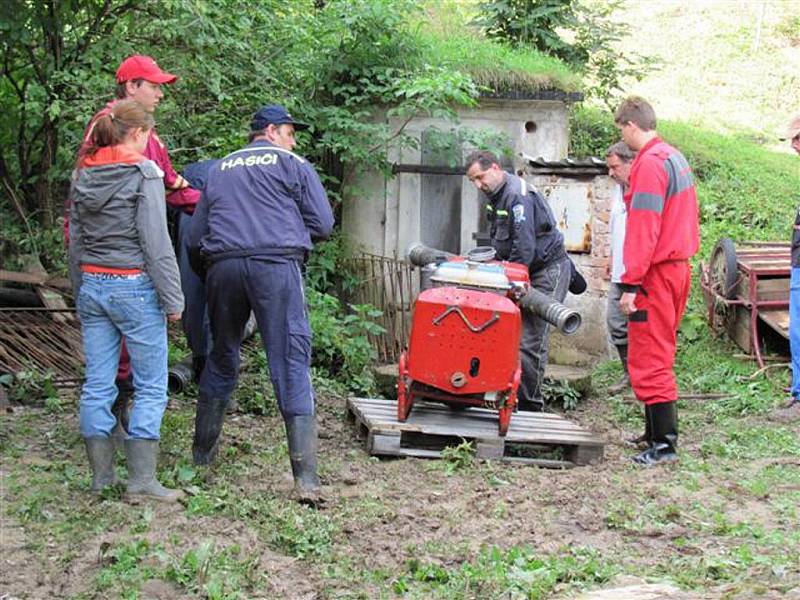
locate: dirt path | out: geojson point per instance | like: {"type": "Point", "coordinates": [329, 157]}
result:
{"type": "Point", "coordinates": [712, 526]}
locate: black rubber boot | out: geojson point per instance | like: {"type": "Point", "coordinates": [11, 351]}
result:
{"type": "Point", "coordinates": [142, 456]}
{"type": "Point", "coordinates": [646, 438]}
{"type": "Point", "coordinates": [664, 446]}
{"type": "Point", "coordinates": [624, 383]}
{"type": "Point", "coordinates": [100, 451]}
{"type": "Point", "coordinates": [301, 435]}
{"type": "Point", "coordinates": [207, 428]}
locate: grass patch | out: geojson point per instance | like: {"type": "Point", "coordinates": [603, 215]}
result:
{"type": "Point", "coordinates": [518, 571]}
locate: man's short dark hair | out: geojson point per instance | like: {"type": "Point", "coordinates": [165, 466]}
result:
{"type": "Point", "coordinates": [483, 157]}
{"type": "Point", "coordinates": [254, 134]}
{"type": "Point", "coordinates": [636, 110]}
{"type": "Point", "coordinates": [121, 92]}
{"type": "Point", "coordinates": [621, 150]}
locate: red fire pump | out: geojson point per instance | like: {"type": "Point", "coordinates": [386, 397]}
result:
{"type": "Point", "coordinates": [465, 333]}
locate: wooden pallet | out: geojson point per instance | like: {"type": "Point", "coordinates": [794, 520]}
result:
{"type": "Point", "coordinates": [542, 439]}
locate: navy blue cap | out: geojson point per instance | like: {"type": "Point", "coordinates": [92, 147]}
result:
{"type": "Point", "coordinates": [274, 114]}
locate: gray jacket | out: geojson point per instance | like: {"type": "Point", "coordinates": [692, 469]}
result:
{"type": "Point", "coordinates": [118, 219]}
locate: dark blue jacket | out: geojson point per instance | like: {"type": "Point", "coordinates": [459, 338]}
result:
{"type": "Point", "coordinates": [523, 229]}
{"type": "Point", "coordinates": [261, 200]}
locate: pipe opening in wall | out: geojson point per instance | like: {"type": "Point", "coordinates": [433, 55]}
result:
{"type": "Point", "coordinates": [530, 127]}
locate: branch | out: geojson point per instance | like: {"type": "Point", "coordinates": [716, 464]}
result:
{"type": "Point", "coordinates": [4, 175]}
{"type": "Point", "coordinates": [395, 135]}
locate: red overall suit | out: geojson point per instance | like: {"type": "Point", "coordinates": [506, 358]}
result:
{"type": "Point", "coordinates": [661, 234]}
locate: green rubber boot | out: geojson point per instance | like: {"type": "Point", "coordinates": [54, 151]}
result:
{"type": "Point", "coordinates": [100, 451]}
{"type": "Point", "coordinates": [142, 456]}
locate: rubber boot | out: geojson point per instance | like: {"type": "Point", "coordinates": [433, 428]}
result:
{"type": "Point", "coordinates": [647, 437]}
{"type": "Point", "coordinates": [301, 435]}
{"type": "Point", "coordinates": [121, 409]}
{"type": "Point", "coordinates": [208, 428]}
{"type": "Point", "coordinates": [664, 446]}
{"type": "Point", "coordinates": [142, 456]}
{"type": "Point", "coordinates": [100, 451]}
{"type": "Point", "coordinates": [624, 383]}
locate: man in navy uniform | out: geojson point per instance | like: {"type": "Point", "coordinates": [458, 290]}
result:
{"type": "Point", "coordinates": [262, 209]}
{"type": "Point", "coordinates": [523, 230]}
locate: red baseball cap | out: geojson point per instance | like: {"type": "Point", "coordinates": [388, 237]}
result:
{"type": "Point", "coordinates": [139, 66]}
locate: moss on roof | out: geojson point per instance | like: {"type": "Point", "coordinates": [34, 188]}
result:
{"type": "Point", "coordinates": [447, 39]}
{"type": "Point", "coordinates": [496, 66]}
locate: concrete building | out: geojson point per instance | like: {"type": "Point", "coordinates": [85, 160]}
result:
{"type": "Point", "coordinates": [427, 198]}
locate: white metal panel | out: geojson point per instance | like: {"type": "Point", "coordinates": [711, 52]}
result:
{"type": "Point", "coordinates": [571, 202]}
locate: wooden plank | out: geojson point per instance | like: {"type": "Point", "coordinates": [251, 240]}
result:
{"type": "Point", "coordinates": [777, 319]}
{"type": "Point", "coordinates": [523, 426]}
{"type": "Point", "coordinates": [534, 438]}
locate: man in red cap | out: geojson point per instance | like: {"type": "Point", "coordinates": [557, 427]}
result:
{"type": "Point", "coordinates": [140, 78]}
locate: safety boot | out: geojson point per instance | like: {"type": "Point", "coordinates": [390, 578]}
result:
{"type": "Point", "coordinates": [624, 383]}
{"type": "Point", "coordinates": [644, 440]}
{"type": "Point", "coordinates": [100, 451]}
{"type": "Point", "coordinates": [142, 456]}
{"type": "Point", "coordinates": [664, 445]}
{"type": "Point", "coordinates": [208, 428]}
{"type": "Point", "coordinates": [301, 435]}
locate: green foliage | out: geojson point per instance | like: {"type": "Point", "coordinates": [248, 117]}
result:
{"type": "Point", "coordinates": [516, 572]}
{"type": "Point", "coordinates": [218, 574]}
{"type": "Point", "coordinates": [125, 565]}
{"type": "Point", "coordinates": [579, 32]}
{"type": "Point", "coordinates": [746, 192]}
{"type": "Point", "coordinates": [560, 392]}
{"type": "Point", "coordinates": [591, 131]}
{"type": "Point", "coordinates": [458, 458]}
{"type": "Point", "coordinates": [496, 66]}
{"type": "Point", "coordinates": [341, 343]}
{"type": "Point", "coordinates": [326, 271]}
{"type": "Point", "coordinates": [531, 23]}
{"type": "Point", "coordinates": [32, 386]}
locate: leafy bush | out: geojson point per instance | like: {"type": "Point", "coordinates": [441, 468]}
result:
{"type": "Point", "coordinates": [591, 131]}
{"type": "Point", "coordinates": [341, 343]}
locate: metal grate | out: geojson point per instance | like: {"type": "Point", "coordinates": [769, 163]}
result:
{"type": "Point", "coordinates": [389, 285]}
{"type": "Point", "coordinates": [42, 339]}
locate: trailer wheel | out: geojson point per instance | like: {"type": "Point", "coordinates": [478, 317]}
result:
{"type": "Point", "coordinates": [723, 272]}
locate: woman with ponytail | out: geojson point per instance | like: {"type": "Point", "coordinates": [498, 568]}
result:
{"type": "Point", "coordinates": [126, 284]}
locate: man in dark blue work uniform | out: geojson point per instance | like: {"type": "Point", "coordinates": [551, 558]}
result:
{"type": "Point", "coordinates": [523, 230]}
{"type": "Point", "coordinates": [262, 209]}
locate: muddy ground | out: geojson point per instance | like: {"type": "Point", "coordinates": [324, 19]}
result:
{"type": "Point", "coordinates": [721, 523]}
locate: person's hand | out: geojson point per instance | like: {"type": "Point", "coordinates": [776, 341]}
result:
{"type": "Point", "coordinates": [172, 318]}
{"type": "Point", "coordinates": [627, 303]}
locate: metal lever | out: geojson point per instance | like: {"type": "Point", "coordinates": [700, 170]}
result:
{"type": "Point", "coordinates": [495, 317]}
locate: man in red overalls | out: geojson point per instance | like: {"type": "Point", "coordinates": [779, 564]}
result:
{"type": "Point", "coordinates": [662, 233]}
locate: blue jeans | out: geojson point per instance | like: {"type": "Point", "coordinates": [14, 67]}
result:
{"type": "Point", "coordinates": [794, 329]}
{"type": "Point", "coordinates": [111, 308]}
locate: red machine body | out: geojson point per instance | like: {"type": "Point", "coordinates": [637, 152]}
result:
{"type": "Point", "coordinates": [464, 344]}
